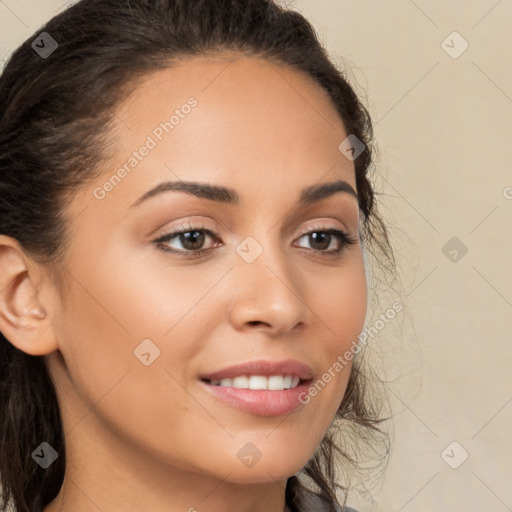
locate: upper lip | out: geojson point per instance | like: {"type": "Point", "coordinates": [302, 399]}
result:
{"type": "Point", "coordinates": [264, 368]}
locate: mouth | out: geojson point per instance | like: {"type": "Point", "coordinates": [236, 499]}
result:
{"type": "Point", "coordinates": [261, 387]}
{"type": "Point", "coordinates": [271, 383]}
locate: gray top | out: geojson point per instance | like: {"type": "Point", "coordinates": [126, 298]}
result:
{"type": "Point", "coordinates": [312, 502]}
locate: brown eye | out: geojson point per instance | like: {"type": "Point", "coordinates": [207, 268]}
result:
{"type": "Point", "coordinates": [321, 239]}
{"type": "Point", "coordinates": [189, 239]}
{"type": "Point", "coordinates": [192, 240]}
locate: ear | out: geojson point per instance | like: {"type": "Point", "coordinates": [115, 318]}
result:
{"type": "Point", "coordinates": [24, 320]}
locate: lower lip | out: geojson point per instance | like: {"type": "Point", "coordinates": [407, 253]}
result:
{"type": "Point", "coordinates": [262, 402]}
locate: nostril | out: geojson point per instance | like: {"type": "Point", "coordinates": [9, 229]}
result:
{"type": "Point", "coordinates": [257, 322]}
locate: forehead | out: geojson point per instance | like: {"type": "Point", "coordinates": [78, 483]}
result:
{"type": "Point", "coordinates": [242, 122]}
{"type": "Point", "coordinates": [244, 100]}
{"type": "Point", "coordinates": [231, 81]}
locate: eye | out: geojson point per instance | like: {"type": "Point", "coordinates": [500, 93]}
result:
{"type": "Point", "coordinates": [321, 238]}
{"type": "Point", "coordinates": [192, 240]}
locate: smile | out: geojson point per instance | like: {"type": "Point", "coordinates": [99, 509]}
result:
{"type": "Point", "coordinates": [270, 383]}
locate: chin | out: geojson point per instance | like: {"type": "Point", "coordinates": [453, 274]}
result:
{"type": "Point", "coordinates": [280, 467]}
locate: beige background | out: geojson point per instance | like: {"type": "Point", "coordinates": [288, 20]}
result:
{"type": "Point", "coordinates": [443, 126]}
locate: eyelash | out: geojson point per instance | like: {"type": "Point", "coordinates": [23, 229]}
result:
{"type": "Point", "coordinates": [344, 238]}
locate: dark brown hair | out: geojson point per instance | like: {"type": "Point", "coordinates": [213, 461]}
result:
{"type": "Point", "coordinates": [55, 115]}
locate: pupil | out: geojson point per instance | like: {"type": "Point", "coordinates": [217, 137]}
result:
{"type": "Point", "coordinates": [322, 237]}
{"type": "Point", "coordinates": [192, 237]}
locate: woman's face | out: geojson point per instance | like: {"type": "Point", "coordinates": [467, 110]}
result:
{"type": "Point", "coordinates": [144, 323]}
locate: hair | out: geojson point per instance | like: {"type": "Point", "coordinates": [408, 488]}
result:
{"type": "Point", "coordinates": [55, 119]}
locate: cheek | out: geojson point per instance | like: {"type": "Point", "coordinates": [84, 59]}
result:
{"type": "Point", "coordinates": [342, 310]}
{"type": "Point", "coordinates": [124, 303]}
{"type": "Point", "coordinates": [343, 305]}
{"type": "Point", "coordinates": [112, 386]}
{"type": "Point", "coordinates": [125, 335]}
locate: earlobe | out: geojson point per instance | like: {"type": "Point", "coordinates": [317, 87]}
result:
{"type": "Point", "coordinates": [24, 321]}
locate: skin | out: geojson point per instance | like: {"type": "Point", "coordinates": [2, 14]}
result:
{"type": "Point", "coordinates": [149, 437]}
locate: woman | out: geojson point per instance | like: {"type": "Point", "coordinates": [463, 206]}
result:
{"type": "Point", "coordinates": [184, 209]}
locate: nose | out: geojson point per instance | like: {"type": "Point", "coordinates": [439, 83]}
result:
{"type": "Point", "coordinates": [268, 294]}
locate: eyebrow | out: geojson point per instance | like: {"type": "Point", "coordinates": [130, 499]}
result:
{"type": "Point", "coordinates": [226, 195]}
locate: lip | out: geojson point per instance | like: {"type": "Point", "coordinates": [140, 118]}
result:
{"type": "Point", "coordinates": [264, 368]}
{"type": "Point", "coordinates": [261, 402]}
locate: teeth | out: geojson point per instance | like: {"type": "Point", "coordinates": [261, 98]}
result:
{"type": "Point", "coordinates": [240, 382]}
{"type": "Point", "coordinates": [272, 383]}
{"type": "Point", "coordinates": [258, 382]}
